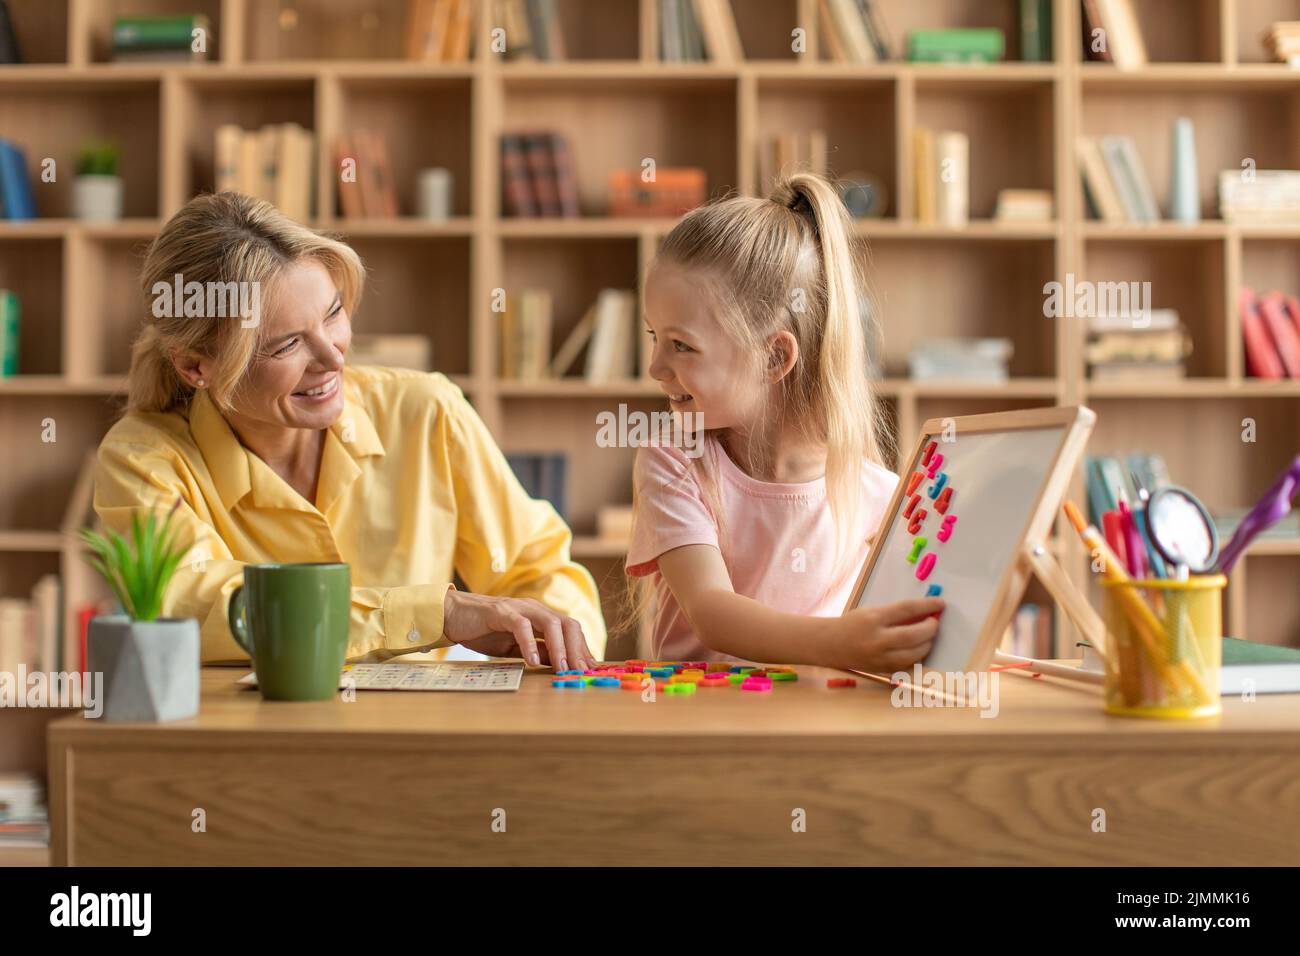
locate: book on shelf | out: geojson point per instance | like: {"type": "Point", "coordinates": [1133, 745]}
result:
{"type": "Point", "coordinates": [1259, 197]}
{"type": "Point", "coordinates": [439, 31]}
{"type": "Point", "coordinates": [538, 177]}
{"type": "Point", "coordinates": [161, 38]}
{"type": "Point", "coordinates": [1112, 34]}
{"type": "Point", "coordinates": [681, 34]}
{"type": "Point", "coordinates": [10, 51]}
{"type": "Point", "coordinates": [31, 628]}
{"type": "Point", "coordinates": [525, 339]}
{"type": "Point", "coordinates": [1030, 632]}
{"type": "Point", "coordinates": [612, 351]}
{"type": "Point", "coordinates": [24, 814]}
{"type": "Point", "coordinates": [1282, 41]}
{"type": "Point", "coordinates": [965, 45]}
{"type": "Point", "coordinates": [543, 475]}
{"type": "Point", "coordinates": [784, 152]}
{"type": "Point", "coordinates": [392, 349]}
{"type": "Point", "coordinates": [16, 198]}
{"type": "Point", "coordinates": [1270, 328]}
{"type": "Point", "coordinates": [675, 190]}
{"type": "Point", "coordinates": [942, 174]}
{"type": "Point", "coordinates": [1115, 182]}
{"type": "Point", "coordinates": [1133, 348]}
{"type": "Point", "coordinates": [1036, 31]}
{"type": "Point", "coordinates": [11, 310]}
{"type": "Point", "coordinates": [1024, 205]}
{"type": "Point", "coordinates": [960, 359]}
{"type": "Point", "coordinates": [274, 163]}
{"type": "Point", "coordinates": [614, 524]}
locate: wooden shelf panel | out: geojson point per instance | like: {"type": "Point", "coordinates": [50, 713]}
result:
{"type": "Point", "coordinates": [31, 541]}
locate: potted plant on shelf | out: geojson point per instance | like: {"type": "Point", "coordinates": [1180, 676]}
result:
{"type": "Point", "coordinates": [97, 191]}
{"type": "Point", "coordinates": [150, 666]}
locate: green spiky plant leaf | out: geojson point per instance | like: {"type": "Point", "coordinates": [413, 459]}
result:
{"type": "Point", "coordinates": [137, 569]}
{"type": "Point", "coordinates": [98, 159]}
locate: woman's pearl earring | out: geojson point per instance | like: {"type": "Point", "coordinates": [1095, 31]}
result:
{"type": "Point", "coordinates": [202, 383]}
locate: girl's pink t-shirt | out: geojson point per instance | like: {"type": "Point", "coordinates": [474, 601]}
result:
{"type": "Point", "coordinates": [778, 539]}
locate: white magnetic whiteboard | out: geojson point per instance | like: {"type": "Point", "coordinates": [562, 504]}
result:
{"type": "Point", "coordinates": [997, 479]}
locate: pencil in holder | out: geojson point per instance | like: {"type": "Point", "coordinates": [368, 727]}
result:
{"type": "Point", "coordinates": [1165, 646]}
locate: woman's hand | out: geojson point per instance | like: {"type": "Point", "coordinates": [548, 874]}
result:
{"type": "Point", "coordinates": [507, 623]}
{"type": "Point", "coordinates": [888, 637]}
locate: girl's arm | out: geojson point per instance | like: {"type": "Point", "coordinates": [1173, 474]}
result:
{"type": "Point", "coordinates": [887, 638]}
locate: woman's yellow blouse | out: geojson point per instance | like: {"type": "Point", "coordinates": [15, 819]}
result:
{"type": "Point", "coordinates": [411, 488]}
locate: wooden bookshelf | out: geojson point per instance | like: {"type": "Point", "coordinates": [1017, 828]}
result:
{"type": "Point", "coordinates": [339, 65]}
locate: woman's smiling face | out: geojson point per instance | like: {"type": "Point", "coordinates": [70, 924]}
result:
{"type": "Point", "coordinates": [296, 378]}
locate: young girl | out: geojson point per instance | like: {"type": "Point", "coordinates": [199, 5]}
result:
{"type": "Point", "coordinates": [755, 539]}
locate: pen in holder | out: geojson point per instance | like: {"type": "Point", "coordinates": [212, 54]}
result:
{"type": "Point", "coordinates": [1166, 641]}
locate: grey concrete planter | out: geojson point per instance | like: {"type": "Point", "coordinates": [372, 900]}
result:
{"type": "Point", "coordinates": [150, 668]}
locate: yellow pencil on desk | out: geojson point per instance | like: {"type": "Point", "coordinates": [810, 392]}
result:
{"type": "Point", "coordinates": [1146, 625]}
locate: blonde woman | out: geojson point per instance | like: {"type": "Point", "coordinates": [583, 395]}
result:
{"type": "Point", "coordinates": [281, 452]}
{"type": "Point", "coordinates": [753, 547]}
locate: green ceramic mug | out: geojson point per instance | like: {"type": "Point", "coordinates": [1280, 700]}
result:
{"type": "Point", "coordinates": [293, 621]}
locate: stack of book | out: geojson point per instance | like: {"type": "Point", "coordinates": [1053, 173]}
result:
{"type": "Point", "coordinates": [526, 335]}
{"type": "Point", "coordinates": [614, 524]}
{"type": "Point", "coordinates": [1030, 632]}
{"type": "Point", "coordinates": [16, 199]}
{"type": "Point", "coordinates": [370, 192]}
{"type": "Point", "coordinates": [31, 629]}
{"type": "Point", "coordinates": [942, 177]}
{"type": "Point", "coordinates": [391, 349]}
{"type": "Point", "coordinates": [439, 30]}
{"type": "Point", "coordinates": [691, 31]}
{"type": "Point", "coordinates": [24, 818]}
{"type": "Point", "coordinates": [1107, 477]}
{"type": "Point", "coordinates": [1115, 183]}
{"type": "Point", "coordinates": [537, 175]}
{"type": "Point", "coordinates": [1111, 34]}
{"type": "Point", "coordinates": [982, 45]}
{"type": "Point", "coordinates": [784, 152]}
{"type": "Point", "coordinates": [1128, 348]}
{"type": "Point", "coordinates": [275, 163]}
{"type": "Point", "coordinates": [1283, 41]}
{"type": "Point", "coordinates": [1270, 327]}
{"type": "Point", "coordinates": [853, 31]}
{"type": "Point", "coordinates": [1260, 197]}
{"type": "Point", "coordinates": [1024, 205]}
{"type": "Point", "coordinates": [159, 38]}
{"type": "Point", "coordinates": [965, 360]}
{"type": "Point", "coordinates": [544, 475]}
{"type": "Point", "coordinates": [11, 311]}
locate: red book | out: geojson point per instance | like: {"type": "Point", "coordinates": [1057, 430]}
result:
{"type": "Point", "coordinates": [514, 177]}
{"type": "Point", "coordinates": [1273, 308]}
{"type": "Point", "coordinates": [1293, 311]}
{"type": "Point", "coordinates": [84, 614]}
{"type": "Point", "coordinates": [566, 179]}
{"type": "Point", "coordinates": [1262, 360]}
{"type": "Point", "coordinates": [541, 173]}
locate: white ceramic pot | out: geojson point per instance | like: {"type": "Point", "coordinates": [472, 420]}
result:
{"type": "Point", "coordinates": [97, 198]}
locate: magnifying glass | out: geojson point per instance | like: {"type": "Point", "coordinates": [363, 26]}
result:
{"type": "Point", "coordinates": [1181, 529]}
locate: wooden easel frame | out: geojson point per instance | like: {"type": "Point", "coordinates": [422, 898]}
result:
{"type": "Point", "coordinates": [1034, 559]}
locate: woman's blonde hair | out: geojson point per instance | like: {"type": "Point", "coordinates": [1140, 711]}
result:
{"type": "Point", "coordinates": [787, 263]}
{"type": "Point", "coordinates": [222, 238]}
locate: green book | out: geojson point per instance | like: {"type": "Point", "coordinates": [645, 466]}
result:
{"type": "Point", "coordinates": [145, 32]}
{"type": "Point", "coordinates": [1036, 31]}
{"type": "Point", "coordinates": [10, 309]}
{"type": "Point", "coordinates": [955, 45]}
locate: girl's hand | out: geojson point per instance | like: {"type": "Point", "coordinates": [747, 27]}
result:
{"type": "Point", "coordinates": [888, 637]}
{"type": "Point", "coordinates": [497, 625]}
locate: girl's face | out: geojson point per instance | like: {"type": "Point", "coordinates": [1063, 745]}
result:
{"type": "Point", "coordinates": [698, 366]}
{"type": "Point", "coordinates": [307, 335]}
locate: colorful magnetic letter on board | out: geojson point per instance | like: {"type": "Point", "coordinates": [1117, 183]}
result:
{"type": "Point", "coordinates": [911, 503]}
{"type": "Point", "coordinates": [914, 481]}
{"type": "Point", "coordinates": [918, 545]}
{"type": "Point", "coordinates": [945, 496]}
{"type": "Point", "coordinates": [917, 518]}
{"type": "Point", "coordinates": [935, 463]}
{"type": "Point", "coordinates": [945, 532]}
{"type": "Point", "coordinates": [938, 484]}
{"type": "Point", "coordinates": [926, 566]}
{"type": "Point", "coordinates": [934, 590]}
{"type": "Point", "coordinates": [929, 450]}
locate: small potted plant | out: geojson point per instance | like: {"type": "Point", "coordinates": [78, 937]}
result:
{"type": "Point", "coordinates": [150, 666]}
{"type": "Point", "coordinates": [97, 192]}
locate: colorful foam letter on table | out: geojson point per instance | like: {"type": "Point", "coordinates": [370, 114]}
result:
{"type": "Point", "coordinates": [945, 496]}
{"type": "Point", "coordinates": [914, 481]}
{"type": "Point", "coordinates": [841, 682]}
{"type": "Point", "coordinates": [915, 524]}
{"type": "Point", "coordinates": [929, 451]}
{"type": "Point", "coordinates": [935, 463]}
{"type": "Point", "coordinates": [938, 484]}
{"type": "Point", "coordinates": [945, 532]}
{"type": "Point", "coordinates": [926, 566]}
{"type": "Point", "coordinates": [918, 545]}
{"type": "Point", "coordinates": [934, 590]}
{"type": "Point", "coordinates": [757, 683]}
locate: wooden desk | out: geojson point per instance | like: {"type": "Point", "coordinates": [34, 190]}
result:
{"type": "Point", "coordinates": [598, 776]}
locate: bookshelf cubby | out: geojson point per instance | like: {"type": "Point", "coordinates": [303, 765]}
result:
{"type": "Point", "coordinates": [336, 66]}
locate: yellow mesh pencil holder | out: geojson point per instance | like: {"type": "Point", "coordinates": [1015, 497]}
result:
{"type": "Point", "coordinates": [1165, 643]}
